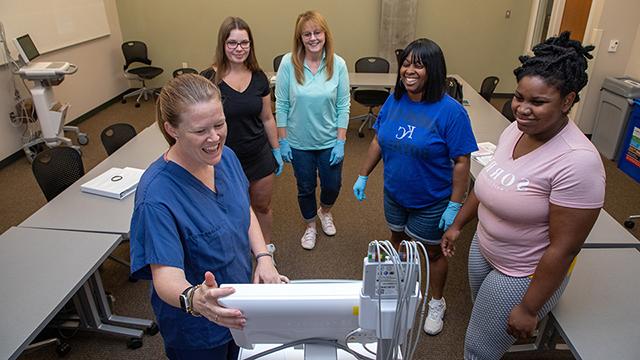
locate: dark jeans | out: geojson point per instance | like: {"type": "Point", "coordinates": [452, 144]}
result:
{"type": "Point", "coordinates": [308, 165]}
{"type": "Point", "coordinates": [228, 351]}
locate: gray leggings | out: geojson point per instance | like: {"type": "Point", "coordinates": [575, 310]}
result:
{"type": "Point", "coordinates": [494, 295]}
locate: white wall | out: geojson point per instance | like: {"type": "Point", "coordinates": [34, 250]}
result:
{"type": "Point", "coordinates": [99, 78]}
{"type": "Point", "coordinates": [633, 66]}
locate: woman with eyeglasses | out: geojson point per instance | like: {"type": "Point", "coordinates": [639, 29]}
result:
{"type": "Point", "coordinates": [247, 106]}
{"type": "Point", "coordinates": [312, 112]}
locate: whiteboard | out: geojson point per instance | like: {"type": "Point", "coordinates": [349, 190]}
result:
{"type": "Point", "coordinates": [54, 24]}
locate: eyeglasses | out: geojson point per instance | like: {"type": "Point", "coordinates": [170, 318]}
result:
{"type": "Point", "coordinates": [232, 44]}
{"type": "Point", "coordinates": [316, 34]}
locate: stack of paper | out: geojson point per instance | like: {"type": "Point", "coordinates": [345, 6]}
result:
{"type": "Point", "coordinates": [114, 183]}
{"type": "Point", "coordinates": [484, 154]}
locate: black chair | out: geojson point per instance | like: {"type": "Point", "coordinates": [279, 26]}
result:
{"type": "Point", "coordinates": [488, 87]}
{"type": "Point", "coordinates": [370, 97]}
{"type": "Point", "coordinates": [136, 52]}
{"type": "Point", "coordinates": [276, 62]}
{"type": "Point", "coordinates": [398, 56]}
{"type": "Point", "coordinates": [116, 135]}
{"type": "Point", "coordinates": [276, 65]}
{"type": "Point", "coordinates": [507, 111]}
{"type": "Point", "coordinates": [178, 72]}
{"type": "Point", "coordinates": [56, 169]}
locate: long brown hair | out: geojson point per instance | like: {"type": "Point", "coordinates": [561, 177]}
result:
{"type": "Point", "coordinates": [177, 95]}
{"type": "Point", "coordinates": [297, 55]}
{"type": "Point", "coordinates": [220, 60]}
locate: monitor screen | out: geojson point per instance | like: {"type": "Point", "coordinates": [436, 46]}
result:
{"type": "Point", "coordinates": [26, 48]}
{"type": "Point", "coordinates": [281, 313]}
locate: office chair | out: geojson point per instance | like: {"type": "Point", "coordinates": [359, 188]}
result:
{"type": "Point", "coordinates": [630, 222]}
{"type": "Point", "coordinates": [276, 65]}
{"type": "Point", "coordinates": [178, 72]}
{"type": "Point", "coordinates": [398, 56]}
{"type": "Point", "coordinates": [56, 169]}
{"type": "Point", "coordinates": [370, 97]}
{"type": "Point", "coordinates": [488, 86]}
{"type": "Point", "coordinates": [136, 52]}
{"type": "Point", "coordinates": [507, 112]}
{"type": "Point", "coordinates": [116, 135]}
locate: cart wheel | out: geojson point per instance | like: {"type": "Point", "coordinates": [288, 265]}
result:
{"type": "Point", "coordinates": [132, 279]}
{"type": "Point", "coordinates": [83, 139]}
{"type": "Point", "coordinates": [63, 349]}
{"type": "Point", "coordinates": [123, 101]}
{"type": "Point", "coordinates": [137, 105]}
{"type": "Point", "coordinates": [153, 329]}
{"type": "Point", "coordinates": [629, 224]}
{"type": "Point", "coordinates": [361, 135]}
{"type": "Point", "coordinates": [134, 343]}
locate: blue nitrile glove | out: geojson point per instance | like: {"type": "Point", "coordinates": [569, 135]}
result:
{"type": "Point", "coordinates": [358, 187]}
{"type": "Point", "coordinates": [285, 150]}
{"type": "Point", "coordinates": [449, 215]}
{"type": "Point", "coordinates": [278, 156]}
{"type": "Point", "coordinates": [337, 153]}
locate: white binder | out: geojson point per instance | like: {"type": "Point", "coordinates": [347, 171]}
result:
{"type": "Point", "coordinates": [114, 183]}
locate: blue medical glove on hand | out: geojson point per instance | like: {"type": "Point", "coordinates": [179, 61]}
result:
{"type": "Point", "coordinates": [278, 156]}
{"type": "Point", "coordinates": [337, 153]}
{"type": "Point", "coordinates": [358, 187]}
{"type": "Point", "coordinates": [449, 215]}
{"type": "Point", "coordinates": [285, 150]}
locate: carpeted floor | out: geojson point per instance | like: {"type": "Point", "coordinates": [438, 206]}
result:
{"type": "Point", "coordinates": [337, 257]}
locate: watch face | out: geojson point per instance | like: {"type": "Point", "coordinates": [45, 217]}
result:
{"type": "Point", "coordinates": [183, 302]}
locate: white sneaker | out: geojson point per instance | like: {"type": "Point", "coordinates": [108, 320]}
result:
{"type": "Point", "coordinates": [308, 240]}
{"type": "Point", "coordinates": [433, 324]}
{"type": "Point", "coordinates": [326, 219]}
{"type": "Point", "coordinates": [272, 249]}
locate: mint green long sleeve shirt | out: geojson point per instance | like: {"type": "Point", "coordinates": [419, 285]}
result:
{"type": "Point", "coordinates": [312, 112]}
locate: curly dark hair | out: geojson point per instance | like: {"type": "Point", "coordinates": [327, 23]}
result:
{"type": "Point", "coordinates": [560, 61]}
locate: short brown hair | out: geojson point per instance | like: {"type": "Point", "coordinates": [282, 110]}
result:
{"type": "Point", "coordinates": [179, 93]}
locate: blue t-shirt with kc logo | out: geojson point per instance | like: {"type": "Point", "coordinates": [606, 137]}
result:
{"type": "Point", "coordinates": [419, 142]}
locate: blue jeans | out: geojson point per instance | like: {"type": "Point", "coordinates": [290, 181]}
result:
{"type": "Point", "coordinates": [308, 165]}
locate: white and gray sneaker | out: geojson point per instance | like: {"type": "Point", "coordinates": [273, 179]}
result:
{"type": "Point", "coordinates": [433, 324]}
{"type": "Point", "coordinates": [326, 220]}
{"type": "Point", "coordinates": [308, 240]}
{"type": "Point", "coordinates": [272, 249]}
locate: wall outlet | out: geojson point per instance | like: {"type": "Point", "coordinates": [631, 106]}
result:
{"type": "Point", "coordinates": [185, 65]}
{"type": "Point", "coordinates": [613, 45]}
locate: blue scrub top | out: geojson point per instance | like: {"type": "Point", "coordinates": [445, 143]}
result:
{"type": "Point", "coordinates": [419, 141]}
{"type": "Point", "coordinates": [179, 222]}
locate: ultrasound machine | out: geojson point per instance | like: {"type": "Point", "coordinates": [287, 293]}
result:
{"type": "Point", "coordinates": [51, 113]}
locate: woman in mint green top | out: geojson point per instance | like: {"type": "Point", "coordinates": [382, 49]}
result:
{"type": "Point", "coordinates": [312, 114]}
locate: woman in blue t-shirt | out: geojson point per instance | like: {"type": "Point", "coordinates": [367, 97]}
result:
{"type": "Point", "coordinates": [424, 139]}
{"type": "Point", "coordinates": [192, 226]}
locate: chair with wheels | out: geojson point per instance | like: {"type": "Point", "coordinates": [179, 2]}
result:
{"type": "Point", "coordinates": [399, 56]}
{"type": "Point", "coordinates": [488, 87]}
{"type": "Point", "coordinates": [136, 52]}
{"type": "Point", "coordinates": [178, 72]}
{"type": "Point", "coordinates": [370, 98]}
{"type": "Point", "coordinates": [507, 111]}
{"type": "Point", "coordinates": [276, 65]}
{"type": "Point", "coordinates": [116, 135]}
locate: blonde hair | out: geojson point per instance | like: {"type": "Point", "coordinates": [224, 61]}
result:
{"type": "Point", "coordinates": [178, 94]}
{"type": "Point", "coordinates": [297, 55]}
{"type": "Point", "coordinates": [220, 61]}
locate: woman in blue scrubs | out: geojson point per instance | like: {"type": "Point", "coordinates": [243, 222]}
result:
{"type": "Point", "coordinates": [192, 227]}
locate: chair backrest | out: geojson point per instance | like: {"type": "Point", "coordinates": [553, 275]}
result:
{"type": "Point", "coordinates": [372, 64]}
{"type": "Point", "coordinates": [116, 135]}
{"type": "Point", "coordinates": [398, 55]}
{"type": "Point", "coordinates": [276, 62]}
{"type": "Point", "coordinates": [488, 86]}
{"type": "Point", "coordinates": [181, 71]}
{"type": "Point", "coordinates": [507, 111]}
{"type": "Point", "coordinates": [56, 169]}
{"type": "Point", "coordinates": [134, 51]}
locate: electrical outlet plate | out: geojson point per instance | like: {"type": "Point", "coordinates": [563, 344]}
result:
{"type": "Point", "coordinates": [613, 45]}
